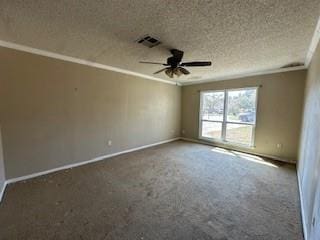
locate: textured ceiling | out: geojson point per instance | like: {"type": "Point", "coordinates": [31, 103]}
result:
{"type": "Point", "coordinates": [238, 36]}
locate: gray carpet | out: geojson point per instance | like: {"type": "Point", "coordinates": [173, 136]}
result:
{"type": "Point", "coordinates": [178, 190]}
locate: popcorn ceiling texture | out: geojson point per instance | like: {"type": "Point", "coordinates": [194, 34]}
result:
{"type": "Point", "coordinates": [238, 36]}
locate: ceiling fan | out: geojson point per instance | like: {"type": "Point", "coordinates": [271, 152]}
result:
{"type": "Point", "coordinates": [174, 66]}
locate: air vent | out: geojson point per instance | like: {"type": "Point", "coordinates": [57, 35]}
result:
{"type": "Point", "coordinates": [148, 41]}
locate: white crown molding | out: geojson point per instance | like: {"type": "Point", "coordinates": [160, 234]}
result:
{"type": "Point", "coordinates": [247, 74]}
{"type": "Point", "coordinates": [313, 45]}
{"type": "Point", "coordinates": [79, 61]}
{"type": "Point", "coordinates": [312, 48]}
{"type": "Point", "coordinates": [3, 190]}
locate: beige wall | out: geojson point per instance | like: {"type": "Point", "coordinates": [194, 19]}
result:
{"type": "Point", "coordinates": [278, 115]}
{"type": "Point", "coordinates": [309, 160]}
{"type": "Point", "coordinates": [55, 113]}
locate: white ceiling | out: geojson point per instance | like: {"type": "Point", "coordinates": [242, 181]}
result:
{"type": "Point", "coordinates": [238, 36]}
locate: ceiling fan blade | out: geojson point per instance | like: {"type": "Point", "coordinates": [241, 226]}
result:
{"type": "Point", "coordinates": [156, 63]}
{"type": "Point", "coordinates": [195, 64]}
{"type": "Point", "coordinates": [184, 71]}
{"type": "Point", "coordinates": [161, 70]}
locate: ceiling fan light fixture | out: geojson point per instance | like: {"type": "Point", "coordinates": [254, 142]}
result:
{"type": "Point", "coordinates": [169, 73]}
{"type": "Point", "coordinates": [174, 66]}
{"type": "Point", "coordinates": [177, 72]}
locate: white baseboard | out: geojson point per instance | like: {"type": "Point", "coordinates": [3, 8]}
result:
{"type": "Point", "coordinates": [62, 57]}
{"type": "Point", "coordinates": [303, 215]}
{"type": "Point", "coordinates": [235, 149]}
{"type": "Point", "coordinates": [33, 175]}
{"type": "Point", "coordinates": [2, 190]}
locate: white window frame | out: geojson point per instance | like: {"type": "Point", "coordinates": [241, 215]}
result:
{"type": "Point", "coordinates": [224, 121]}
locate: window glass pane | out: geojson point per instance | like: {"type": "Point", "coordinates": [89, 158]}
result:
{"type": "Point", "coordinates": [239, 133]}
{"type": "Point", "coordinates": [211, 129]}
{"type": "Point", "coordinates": [241, 105]}
{"type": "Point", "coordinates": [212, 106]}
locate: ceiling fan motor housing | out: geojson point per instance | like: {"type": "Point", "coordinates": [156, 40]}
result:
{"type": "Point", "coordinates": [174, 65]}
{"type": "Point", "coordinates": [175, 59]}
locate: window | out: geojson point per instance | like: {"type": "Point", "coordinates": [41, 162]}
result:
{"type": "Point", "coordinates": [228, 115]}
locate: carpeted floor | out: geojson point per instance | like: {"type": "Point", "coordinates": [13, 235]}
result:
{"type": "Point", "coordinates": [178, 190]}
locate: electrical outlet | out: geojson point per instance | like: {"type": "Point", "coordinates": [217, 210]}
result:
{"type": "Point", "coordinates": [279, 145]}
{"type": "Point", "coordinates": [183, 131]}
{"type": "Point", "coordinates": [109, 143]}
